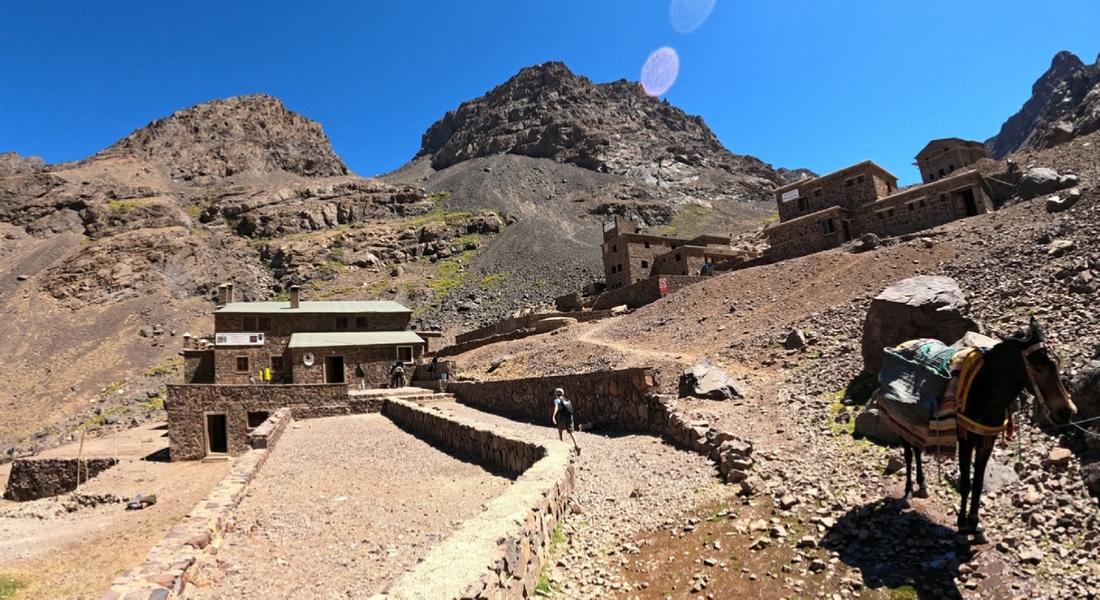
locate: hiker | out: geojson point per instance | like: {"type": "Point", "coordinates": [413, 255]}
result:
{"type": "Point", "coordinates": [361, 376]}
{"type": "Point", "coordinates": [566, 407]}
{"type": "Point", "coordinates": [265, 375]}
{"type": "Point", "coordinates": [397, 375]}
{"type": "Point", "coordinates": [432, 365]}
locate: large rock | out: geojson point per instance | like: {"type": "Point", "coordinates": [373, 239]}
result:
{"type": "Point", "coordinates": [1041, 181]}
{"type": "Point", "coordinates": [871, 424]}
{"type": "Point", "coordinates": [704, 380]}
{"type": "Point", "coordinates": [1085, 387]}
{"type": "Point", "coordinates": [919, 307]}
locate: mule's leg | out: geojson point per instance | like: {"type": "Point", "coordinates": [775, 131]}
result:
{"type": "Point", "coordinates": [922, 491]}
{"type": "Point", "coordinates": [964, 484]}
{"type": "Point", "coordinates": [908, 470]}
{"type": "Point", "coordinates": [981, 458]}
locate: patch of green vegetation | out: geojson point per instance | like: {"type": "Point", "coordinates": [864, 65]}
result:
{"type": "Point", "coordinates": [438, 197]}
{"type": "Point", "coordinates": [772, 219]}
{"type": "Point", "coordinates": [114, 387]}
{"type": "Point", "coordinates": [122, 206]}
{"type": "Point", "coordinates": [848, 428]}
{"type": "Point", "coordinates": [378, 287]}
{"type": "Point", "coordinates": [194, 211]}
{"type": "Point", "coordinates": [734, 557]}
{"type": "Point", "coordinates": [331, 267]}
{"type": "Point", "coordinates": [687, 220]}
{"type": "Point", "coordinates": [558, 537]}
{"type": "Point", "coordinates": [905, 592]}
{"type": "Point", "coordinates": [539, 283]}
{"type": "Point", "coordinates": [283, 296]}
{"type": "Point", "coordinates": [339, 292]}
{"type": "Point", "coordinates": [494, 281]}
{"type": "Point", "coordinates": [98, 420]}
{"type": "Point", "coordinates": [543, 586]}
{"type": "Point", "coordinates": [201, 232]}
{"type": "Point", "coordinates": [165, 369]}
{"type": "Point", "coordinates": [449, 274]}
{"type": "Point", "coordinates": [9, 587]}
{"type": "Point", "coordinates": [336, 252]}
{"type": "Point", "coordinates": [85, 241]}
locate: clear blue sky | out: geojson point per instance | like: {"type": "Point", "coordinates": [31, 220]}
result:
{"type": "Point", "coordinates": [795, 83]}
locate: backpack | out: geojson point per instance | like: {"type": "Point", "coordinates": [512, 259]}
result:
{"type": "Point", "coordinates": [568, 406]}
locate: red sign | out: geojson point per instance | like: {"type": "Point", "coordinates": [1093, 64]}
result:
{"type": "Point", "coordinates": [662, 285]}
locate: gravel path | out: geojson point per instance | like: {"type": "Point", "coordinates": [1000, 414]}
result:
{"type": "Point", "coordinates": [343, 506]}
{"type": "Point", "coordinates": [627, 484]}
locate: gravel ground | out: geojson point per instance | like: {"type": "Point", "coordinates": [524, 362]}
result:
{"type": "Point", "coordinates": [343, 506]}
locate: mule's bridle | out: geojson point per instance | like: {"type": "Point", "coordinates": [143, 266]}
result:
{"type": "Point", "coordinates": [1035, 389]}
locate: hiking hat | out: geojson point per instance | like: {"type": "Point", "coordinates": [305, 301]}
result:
{"type": "Point", "coordinates": [559, 392]}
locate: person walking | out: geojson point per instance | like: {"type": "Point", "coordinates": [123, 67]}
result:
{"type": "Point", "coordinates": [397, 374]}
{"type": "Point", "coordinates": [361, 376]}
{"type": "Point", "coordinates": [564, 421]}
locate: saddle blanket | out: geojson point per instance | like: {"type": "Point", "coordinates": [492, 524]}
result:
{"type": "Point", "coordinates": [918, 395]}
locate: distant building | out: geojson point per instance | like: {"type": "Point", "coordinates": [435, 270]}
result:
{"type": "Point", "coordinates": [941, 158]}
{"type": "Point", "coordinates": [824, 212]}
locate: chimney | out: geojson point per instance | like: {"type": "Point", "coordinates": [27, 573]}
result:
{"type": "Point", "coordinates": [295, 292]}
{"type": "Point", "coordinates": [229, 293]}
{"type": "Point", "coordinates": [223, 294]}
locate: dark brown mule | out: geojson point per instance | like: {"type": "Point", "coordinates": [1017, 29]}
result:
{"type": "Point", "coordinates": [1021, 361]}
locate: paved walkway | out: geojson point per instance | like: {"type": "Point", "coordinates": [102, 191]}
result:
{"type": "Point", "coordinates": [343, 506]}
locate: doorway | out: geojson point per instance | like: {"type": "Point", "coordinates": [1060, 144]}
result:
{"type": "Point", "coordinates": [334, 369]}
{"type": "Point", "coordinates": [968, 200]}
{"type": "Point", "coordinates": [846, 226]}
{"type": "Point", "coordinates": [217, 438]}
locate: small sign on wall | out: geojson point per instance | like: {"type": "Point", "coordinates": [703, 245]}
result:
{"type": "Point", "coordinates": [609, 225]}
{"type": "Point", "coordinates": [790, 195]}
{"type": "Point", "coordinates": [239, 339]}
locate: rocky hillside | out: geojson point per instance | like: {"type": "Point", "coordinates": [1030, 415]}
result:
{"type": "Point", "coordinates": [546, 111]}
{"type": "Point", "coordinates": [1064, 104]}
{"type": "Point", "coordinates": [13, 164]}
{"type": "Point", "coordinates": [241, 135]}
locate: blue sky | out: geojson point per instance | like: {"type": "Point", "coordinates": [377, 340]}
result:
{"type": "Point", "coordinates": [807, 83]}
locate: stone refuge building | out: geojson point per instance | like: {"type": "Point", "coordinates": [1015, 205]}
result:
{"type": "Point", "coordinates": [824, 212]}
{"type": "Point", "coordinates": [941, 158]}
{"type": "Point", "coordinates": [630, 257]}
{"type": "Point", "coordinates": [311, 348]}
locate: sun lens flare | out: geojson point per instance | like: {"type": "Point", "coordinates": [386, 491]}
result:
{"type": "Point", "coordinates": [660, 71]}
{"type": "Point", "coordinates": [688, 15]}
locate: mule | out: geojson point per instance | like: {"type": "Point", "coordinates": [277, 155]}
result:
{"type": "Point", "coordinates": [1021, 361]}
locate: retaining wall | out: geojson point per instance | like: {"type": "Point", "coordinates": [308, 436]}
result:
{"type": "Point", "coordinates": [499, 553]}
{"type": "Point", "coordinates": [31, 479]}
{"type": "Point", "coordinates": [166, 567]}
{"type": "Point", "coordinates": [524, 322]}
{"type": "Point", "coordinates": [643, 292]}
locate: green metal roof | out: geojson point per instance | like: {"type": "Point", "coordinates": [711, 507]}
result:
{"type": "Point", "coordinates": [354, 338]}
{"type": "Point", "coordinates": [318, 307]}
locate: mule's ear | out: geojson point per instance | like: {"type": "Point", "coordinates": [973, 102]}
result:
{"type": "Point", "coordinates": [1035, 331]}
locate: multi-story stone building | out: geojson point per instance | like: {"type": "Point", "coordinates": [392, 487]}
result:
{"type": "Point", "coordinates": [824, 212]}
{"type": "Point", "coordinates": [941, 158]}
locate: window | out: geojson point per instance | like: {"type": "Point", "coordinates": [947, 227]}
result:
{"type": "Point", "coordinates": [848, 182]}
{"type": "Point", "coordinates": [817, 193]}
{"type": "Point", "coordinates": [880, 215]}
{"type": "Point", "coordinates": [803, 204]}
{"type": "Point", "coordinates": [647, 244]}
{"type": "Point", "coordinates": [645, 264]}
{"type": "Point", "coordinates": [677, 258]}
{"type": "Point", "coordinates": [276, 363]}
{"type": "Point", "coordinates": [890, 213]}
{"type": "Point", "coordinates": [859, 179]}
{"type": "Point", "coordinates": [255, 419]}
{"type": "Point", "coordinates": [942, 174]}
{"type": "Point", "coordinates": [943, 197]}
{"type": "Point", "coordinates": [911, 206]}
{"type": "Point", "coordinates": [242, 364]}
{"type": "Point", "coordinates": [827, 226]}
{"type": "Point", "coordinates": [614, 249]}
{"type": "Point", "coordinates": [248, 324]}
{"type": "Point", "coordinates": [950, 168]}
{"type": "Point", "coordinates": [360, 322]}
{"type": "Point", "coordinates": [265, 323]}
{"type": "Point", "coordinates": [922, 203]}
{"type": "Point", "coordinates": [341, 322]}
{"type": "Point", "coordinates": [405, 353]}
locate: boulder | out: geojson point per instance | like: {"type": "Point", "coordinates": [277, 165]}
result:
{"type": "Point", "coordinates": [1040, 181]}
{"type": "Point", "coordinates": [998, 475]}
{"type": "Point", "coordinates": [1090, 474]}
{"type": "Point", "coordinates": [974, 339]}
{"type": "Point", "coordinates": [704, 380]}
{"type": "Point", "coordinates": [918, 307]}
{"type": "Point", "coordinates": [870, 424]}
{"type": "Point", "coordinates": [1059, 203]}
{"type": "Point", "coordinates": [795, 340]}
{"type": "Point", "coordinates": [1085, 387]}
{"type": "Point", "coordinates": [869, 241]}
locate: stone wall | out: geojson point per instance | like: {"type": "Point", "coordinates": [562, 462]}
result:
{"type": "Point", "coordinates": [805, 235]}
{"type": "Point", "coordinates": [499, 553]}
{"type": "Point", "coordinates": [642, 293]}
{"type": "Point", "coordinates": [925, 206]}
{"type": "Point", "coordinates": [849, 188]}
{"type": "Point", "coordinates": [188, 406]}
{"type": "Point", "coordinates": [31, 479]}
{"type": "Point", "coordinates": [623, 398]}
{"type": "Point", "coordinates": [168, 564]}
{"type": "Point", "coordinates": [269, 432]}
{"type": "Point", "coordinates": [376, 363]}
{"type": "Point", "coordinates": [524, 322]}
{"type": "Point", "coordinates": [198, 366]}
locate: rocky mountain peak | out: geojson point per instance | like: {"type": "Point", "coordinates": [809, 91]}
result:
{"type": "Point", "coordinates": [1064, 104]}
{"type": "Point", "coordinates": [13, 164]}
{"type": "Point", "coordinates": [546, 111]}
{"type": "Point", "coordinates": [242, 134]}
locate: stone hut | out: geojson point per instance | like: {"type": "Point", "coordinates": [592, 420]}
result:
{"type": "Point", "coordinates": [941, 158]}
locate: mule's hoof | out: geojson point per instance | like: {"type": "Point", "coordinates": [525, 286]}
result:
{"type": "Point", "coordinates": [962, 539]}
{"type": "Point", "coordinates": [979, 537]}
{"type": "Point", "coordinates": [922, 492]}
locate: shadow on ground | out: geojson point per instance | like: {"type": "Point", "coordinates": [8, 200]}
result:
{"type": "Point", "coordinates": [894, 546]}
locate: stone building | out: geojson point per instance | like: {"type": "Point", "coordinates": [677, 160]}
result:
{"type": "Point", "coordinates": [303, 342]}
{"type": "Point", "coordinates": [312, 350]}
{"type": "Point", "coordinates": [824, 212]}
{"type": "Point", "coordinates": [941, 158]}
{"type": "Point", "coordinates": [630, 257]}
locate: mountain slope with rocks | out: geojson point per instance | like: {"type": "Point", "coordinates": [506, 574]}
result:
{"type": "Point", "coordinates": [1064, 104]}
